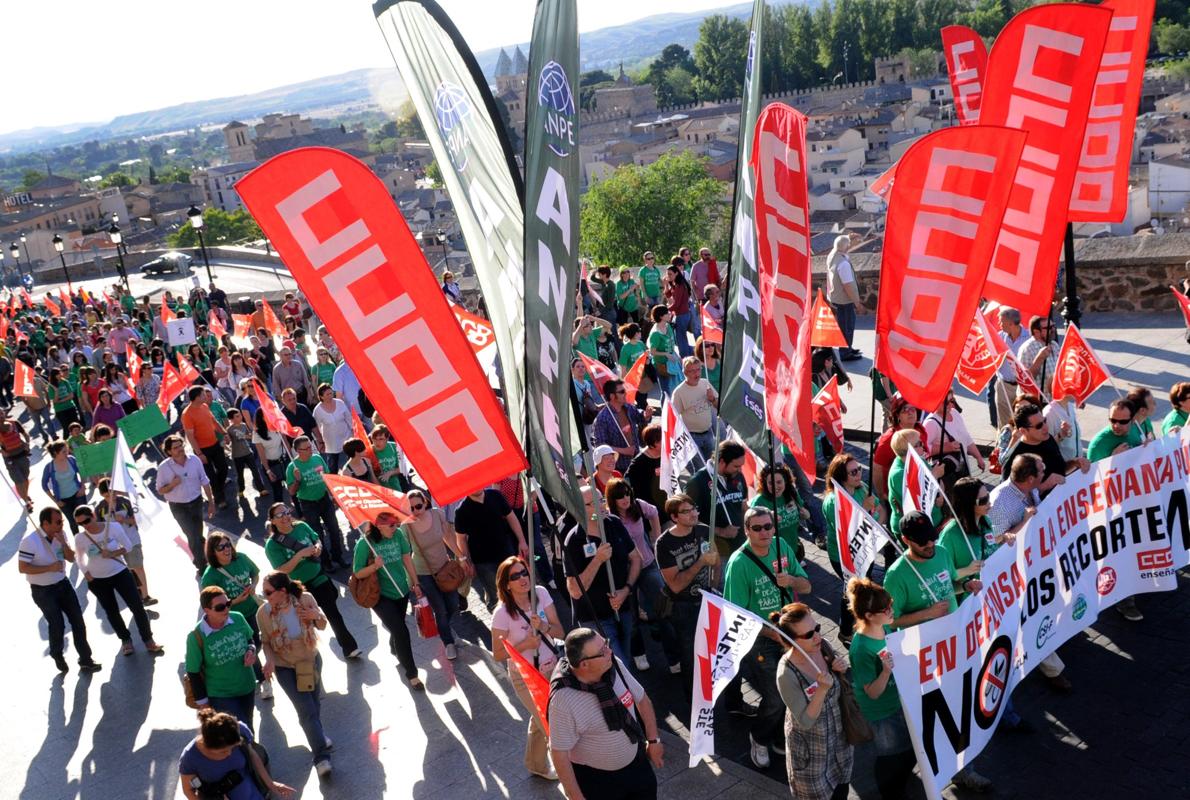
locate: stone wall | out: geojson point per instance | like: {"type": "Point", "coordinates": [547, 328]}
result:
{"type": "Point", "coordinates": [1115, 273]}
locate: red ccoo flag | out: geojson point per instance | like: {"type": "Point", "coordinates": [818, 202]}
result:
{"type": "Point", "coordinates": [535, 682]}
{"type": "Point", "coordinates": [828, 412]}
{"type": "Point", "coordinates": [134, 359]}
{"type": "Point", "coordinates": [167, 313]}
{"type": "Point", "coordinates": [827, 332]}
{"type": "Point", "coordinates": [712, 329]}
{"type": "Point", "coordinates": [274, 417]}
{"type": "Point", "coordinates": [271, 323]}
{"type": "Point", "coordinates": [598, 371]}
{"type": "Point", "coordinates": [242, 324]}
{"type": "Point", "coordinates": [363, 502]}
{"type": "Point", "coordinates": [359, 432]}
{"type": "Point", "coordinates": [1079, 371]}
{"type": "Point", "coordinates": [981, 356]}
{"type": "Point", "coordinates": [633, 375]}
{"type": "Point", "coordinates": [172, 385]}
{"type": "Point", "coordinates": [187, 371]}
{"type": "Point", "coordinates": [215, 325]}
{"type": "Point", "coordinates": [967, 65]}
{"type": "Point", "coordinates": [22, 384]}
{"type": "Point", "coordinates": [52, 306]}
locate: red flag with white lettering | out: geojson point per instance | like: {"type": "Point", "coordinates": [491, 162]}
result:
{"type": "Point", "coordinates": [1024, 378]}
{"type": "Point", "coordinates": [858, 535]}
{"type": "Point", "coordinates": [172, 385]}
{"type": "Point", "coordinates": [919, 488]}
{"type": "Point", "coordinates": [944, 213]}
{"type": "Point", "coordinates": [480, 334]}
{"type": "Point", "coordinates": [1079, 371]}
{"type": "Point", "coordinates": [274, 418]}
{"type": "Point", "coordinates": [966, 64]}
{"type": "Point", "coordinates": [783, 250]}
{"type": "Point", "coordinates": [363, 502]}
{"type": "Point", "coordinates": [827, 332]}
{"type": "Point", "coordinates": [332, 221]}
{"type": "Point", "coordinates": [712, 329]}
{"type": "Point", "coordinates": [22, 379]}
{"type": "Point", "coordinates": [1183, 304]}
{"type": "Point", "coordinates": [134, 359]}
{"type": "Point", "coordinates": [1100, 191]}
{"type": "Point", "coordinates": [1041, 74]}
{"type": "Point", "coordinates": [633, 375]}
{"type": "Point", "coordinates": [187, 371]}
{"type": "Point", "coordinates": [598, 371]}
{"type": "Point", "coordinates": [828, 413]}
{"type": "Point", "coordinates": [215, 324]}
{"type": "Point", "coordinates": [271, 323]}
{"type": "Point", "coordinates": [981, 358]}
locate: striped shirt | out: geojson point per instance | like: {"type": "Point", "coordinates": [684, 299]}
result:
{"type": "Point", "coordinates": [577, 725]}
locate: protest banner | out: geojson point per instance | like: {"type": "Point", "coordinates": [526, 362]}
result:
{"type": "Point", "coordinates": [783, 264]}
{"type": "Point", "coordinates": [95, 459]}
{"type": "Point", "coordinates": [1120, 529]}
{"type": "Point", "coordinates": [332, 221]}
{"type": "Point", "coordinates": [966, 65]}
{"type": "Point", "coordinates": [362, 502]}
{"type": "Point", "coordinates": [142, 425]}
{"type": "Point", "coordinates": [724, 635]}
{"type": "Point", "coordinates": [180, 332]}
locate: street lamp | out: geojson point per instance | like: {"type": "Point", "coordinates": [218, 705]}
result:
{"type": "Point", "coordinates": [59, 246]}
{"type": "Point", "coordinates": [196, 222]}
{"type": "Point", "coordinates": [114, 233]}
{"type": "Point", "coordinates": [445, 254]}
{"type": "Point", "coordinates": [15, 250]}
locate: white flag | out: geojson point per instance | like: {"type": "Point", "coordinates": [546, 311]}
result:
{"type": "Point", "coordinates": [919, 489]}
{"type": "Point", "coordinates": [677, 449]}
{"type": "Point", "coordinates": [126, 478]}
{"type": "Point", "coordinates": [859, 536]}
{"type": "Point", "coordinates": [724, 635]}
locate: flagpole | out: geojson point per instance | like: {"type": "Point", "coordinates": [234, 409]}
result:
{"type": "Point", "coordinates": [766, 623]}
{"type": "Point", "coordinates": [901, 551]}
{"type": "Point", "coordinates": [776, 515]}
{"type": "Point", "coordinates": [872, 444]}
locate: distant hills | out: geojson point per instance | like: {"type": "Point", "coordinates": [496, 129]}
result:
{"type": "Point", "coordinates": [605, 48]}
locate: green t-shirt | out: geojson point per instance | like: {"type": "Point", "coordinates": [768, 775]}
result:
{"type": "Point", "coordinates": [128, 303]}
{"type": "Point", "coordinates": [650, 280]}
{"type": "Point", "coordinates": [865, 668]}
{"type": "Point", "coordinates": [631, 302]}
{"type": "Point", "coordinates": [221, 658]}
{"type": "Point", "coordinates": [389, 459]}
{"type": "Point", "coordinates": [1174, 419]}
{"type": "Point", "coordinates": [828, 511]}
{"type": "Point", "coordinates": [789, 517]}
{"type": "Point", "coordinates": [63, 395]}
{"type": "Point", "coordinates": [311, 487]}
{"type": "Point", "coordinates": [589, 345]}
{"type": "Point", "coordinates": [1106, 441]}
{"type": "Point", "coordinates": [908, 594]}
{"type": "Point", "coordinates": [309, 571]}
{"type": "Point", "coordinates": [392, 551]}
{"type": "Point", "coordinates": [323, 373]}
{"type": "Point", "coordinates": [746, 585]}
{"type": "Point", "coordinates": [952, 540]}
{"type": "Point", "coordinates": [896, 477]}
{"type": "Point", "coordinates": [234, 579]}
{"type": "Point", "coordinates": [661, 341]}
{"type": "Point", "coordinates": [629, 352]}
{"type": "Point", "coordinates": [713, 374]}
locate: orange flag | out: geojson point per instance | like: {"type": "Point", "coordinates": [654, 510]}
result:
{"type": "Point", "coordinates": [3, 326]}
{"type": "Point", "coordinates": [535, 682]}
{"type": "Point", "coordinates": [65, 297]}
{"type": "Point", "coordinates": [1183, 303]}
{"type": "Point", "coordinates": [187, 371]}
{"type": "Point", "coordinates": [134, 359]}
{"type": "Point", "coordinates": [52, 306]}
{"type": "Point", "coordinates": [22, 380]}
{"type": "Point", "coordinates": [828, 412]}
{"type": "Point", "coordinates": [273, 416]}
{"type": "Point", "coordinates": [633, 375]}
{"type": "Point", "coordinates": [826, 332]}
{"type": "Point", "coordinates": [273, 324]}
{"type": "Point", "coordinates": [172, 385]}
{"type": "Point", "coordinates": [362, 502]}
{"type": "Point", "coordinates": [167, 313]}
{"type": "Point", "coordinates": [1079, 371]}
{"type": "Point", "coordinates": [243, 325]}
{"type": "Point", "coordinates": [358, 431]}
{"type": "Point", "coordinates": [215, 325]}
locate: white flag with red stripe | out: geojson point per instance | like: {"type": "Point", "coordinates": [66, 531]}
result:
{"type": "Point", "coordinates": [919, 489]}
{"type": "Point", "coordinates": [678, 449]}
{"type": "Point", "coordinates": [859, 536]}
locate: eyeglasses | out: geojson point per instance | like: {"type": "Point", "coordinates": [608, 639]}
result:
{"type": "Point", "coordinates": [856, 471]}
{"type": "Point", "coordinates": [221, 607]}
{"type": "Point", "coordinates": [284, 512]}
{"type": "Point", "coordinates": [223, 546]}
{"type": "Point", "coordinates": [603, 651]}
{"type": "Point", "coordinates": [808, 635]}
{"type": "Point", "coordinates": [1115, 421]}
{"type": "Point", "coordinates": [687, 510]}
{"type": "Point", "coordinates": [983, 501]}
{"type": "Point", "coordinates": [516, 576]}
{"type": "Point", "coordinates": [768, 526]}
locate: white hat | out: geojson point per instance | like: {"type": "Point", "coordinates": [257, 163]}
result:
{"type": "Point", "coordinates": [603, 450]}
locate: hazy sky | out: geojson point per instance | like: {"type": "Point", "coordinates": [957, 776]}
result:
{"type": "Point", "coordinates": [74, 61]}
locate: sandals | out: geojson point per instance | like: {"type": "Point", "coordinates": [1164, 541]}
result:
{"type": "Point", "coordinates": [154, 648]}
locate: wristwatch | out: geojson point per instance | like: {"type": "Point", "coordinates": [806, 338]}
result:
{"type": "Point", "coordinates": [653, 741]}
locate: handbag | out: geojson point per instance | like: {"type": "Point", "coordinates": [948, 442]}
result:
{"type": "Point", "coordinates": [427, 628]}
{"type": "Point", "coordinates": [856, 727]}
{"type": "Point", "coordinates": [306, 679]}
{"type": "Point", "coordinates": [187, 689]}
{"type": "Point", "coordinates": [365, 591]}
{"type": "Point", "coordinates": [452, 574]}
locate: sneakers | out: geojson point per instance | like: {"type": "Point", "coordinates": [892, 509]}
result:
{"type": "Point", "coordinates": [778, 746]}
{"type": "Point", "coordinates": [968, 778]}
{"type": "Point", "coordinates": [1129, 611]}
{"type": "Point", "coordinates": [266, 689]}
{"type": "Point", "coordinates": [675, 668]}
{"type": "Point", "coordinates": [154, 648]}
{"type": "Point", "coordinates": [759, 753]}
{"type": "Point", "coordinates": [148, 601]}
{"type": "Point", "coordinates": [323, 767]}
{"type": "Point", "coordinates": [451, 652]}
{"type": "Point", "coordinates": [354, 654]}
{"type": "Point", "coordinates": [90, 666]}
{"type": "Point", "coordinates": [327, 744]}
{"type": "Point", "coordinates": [641, 661]}
{"type": "Point", "coordinates": [61, 664]}
{"type": "Point", "coordinates": [416, 684]}
{"type": "Point", "coordinates": [126, 649]}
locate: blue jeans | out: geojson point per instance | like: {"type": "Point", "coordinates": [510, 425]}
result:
{"type": "Point", "coordinates": [683, 324]}
{"type": "Point", "coordinates": [845, 316]}
{"type": "Point", "coordinates": [705, 442]}
{"type": "Point", "coordinates": [649, 586]}
{"type": "Point", "coordinates": [444, 604]}
{"type": "Point", "coordinates": [618, 634]}
{"type": "Point", "coordinates": [308, 706]}
{"type": "Point", "coordinates": [242, 708]}
{"type": "Point", "coordinates": [320, 515]}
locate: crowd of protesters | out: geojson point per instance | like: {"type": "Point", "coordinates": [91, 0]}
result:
{"type": "Point", "coordinates": [631, 572]}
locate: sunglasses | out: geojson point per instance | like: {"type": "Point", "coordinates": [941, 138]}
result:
{"type": "Point", "coordinates": [1121, 421]}
{"type": "Point", "coordinates": [516, 576]}
{"type": "Point", "coordinates": [285, 512]}
{"type": "Point", "coordinates": [221, 607]}
{"type": "Point", "coordinates": [83, 520]}
{"type": "Point", "coordinates": [983, 501]}
{"type": "Point", "coordinates": [223, 546]}
{"type": "Point", "coordinates": [1038, 426]}
{"type": "Point", "coordinates": [808, 635]}
{"type": "Point", "coordinates": [856, 471]}
{"type": "Point", "coordinates": [768, 526]}
{"type": "Point", "coordinates": [602, 652]}
{"type": "Point", "coordinates": [418, 507]}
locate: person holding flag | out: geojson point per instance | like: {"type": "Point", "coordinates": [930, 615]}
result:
{"type": "Point", "coordinates": [687, 565]}
{"type": "Point", "coordinates": [696, 401]}
{"type": "Point", "coordinates": [902, 442]}
{"type": "Point", "coordinates": [845, 471]}
{"type": "Point", "coordinates": [731, 490]}
{"type": "Point", "coordinates": [1039, 353]}
{"type": "Point", "coordinates": [972, 502]}
{"type": "Point", "coordinates": [763, 576]}
{"type": "Point", "coordinates": [530, 626]}
{"type": "Point", "coordinates": [618, 424]}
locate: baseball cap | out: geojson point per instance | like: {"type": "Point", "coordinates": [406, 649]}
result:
{"type": "Point", "coordinates": [918, 528]}
{"type": "Point", "coordinates": [603, 450]}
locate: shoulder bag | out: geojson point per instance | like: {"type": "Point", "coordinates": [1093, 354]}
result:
{"type": "Point", "coordinates": [187, 689]}
{"type": "Point", "coordinates": [856, 727]}
{"type": "Point", "coordinates": [365, 591]}
{"type": "Point", "coordinates": [765, 569]}
{"type": "Point", "coordinates": [452, 574]}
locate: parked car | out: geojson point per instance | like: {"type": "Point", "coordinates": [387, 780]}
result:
{"type": "Point", "coordinates": [170, 262]}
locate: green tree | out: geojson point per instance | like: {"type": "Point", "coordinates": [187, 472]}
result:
{"type": "Point", "coordinates": [933, 16]}
{"type": "Point", "coordinates": [434, 174]}
{"type": "Point", "coordinates": [875, 37]}
{"type": "Point", "coordinates": [720, 55]}
{"type": "Point", "coordinates": [1171, 37]}
{"type": "Point", "coordinates": [31, 178]}
{"type": "Point", "coordinates": [117, 179]}
{"type": "Point", "coordinates": [408, 124]}
{"type": "Point", "coordinates": [672, 76]}
{"type": "Point", "coordinates": [220, 227]}
{"type": "Point", "coordinates": [798, 66]}
{"type": "Point", "coordinates": [588, 82]}
{"type": "Point", "coordinates": [902, 22]}
{"type": "Point", "coordinates": [174, 174]}
{"type": "Point", "coordinates": [988, 16]}
{"type": "Point", "coordinates": [670, 203]}
{"type": "Point", "coordinates": [1180, 69]}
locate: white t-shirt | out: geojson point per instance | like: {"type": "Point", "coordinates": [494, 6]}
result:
{"type": "Point", "coordinates": [334, 425]}
{"type": "Point", "coordinates": [518, 629]}
{"type": "Point", "coordinates": [86, 550]}
{"type": "Point", "coordinates": [955, 428]}
{"type": "Point", "coordinates": [37, 551]}
{"type": "Point", "coordinates": [274, 448]}
{"type": "Point", "coordinates": [692, 405]}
